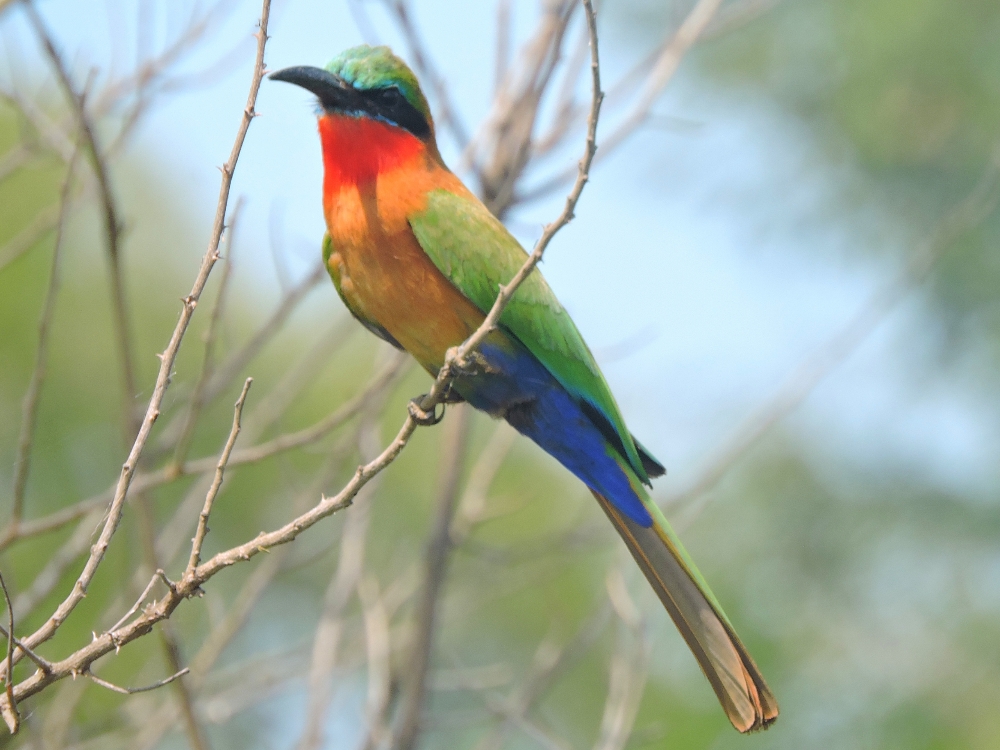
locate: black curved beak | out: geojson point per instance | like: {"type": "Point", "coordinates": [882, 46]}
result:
{"type": "Point", "coordinates": [333, 91]}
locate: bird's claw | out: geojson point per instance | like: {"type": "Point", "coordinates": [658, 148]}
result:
{"type": "Point", "coordinates": [422, 417]}
{"type": "Point", "coordinates": [451, 396]}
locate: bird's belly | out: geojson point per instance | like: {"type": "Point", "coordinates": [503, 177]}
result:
{"type": "Point", "coordinates": [393, 282]}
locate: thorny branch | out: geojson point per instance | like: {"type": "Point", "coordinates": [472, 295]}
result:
{"type": "Point", "coordinates": [199, 535]}
{"type": "Point", "coordinates": [152, 411]}
{"type": "Point", "coordinates": [384, 380]}
{"type": "Point", "coordinates": [197, 402]}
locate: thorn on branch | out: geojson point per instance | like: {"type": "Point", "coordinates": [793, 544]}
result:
{"type": "Point", "coordinates": [167, 582]}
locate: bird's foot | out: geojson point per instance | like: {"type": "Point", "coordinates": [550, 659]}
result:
{"type": "Point", "coordinates": [422, 417]}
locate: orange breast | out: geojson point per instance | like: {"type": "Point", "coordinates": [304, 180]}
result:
{"type": "Point", "coordinates": [384, 273]}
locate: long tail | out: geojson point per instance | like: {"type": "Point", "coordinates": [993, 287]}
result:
{"type": "Point", "coordinates": [745, 697]}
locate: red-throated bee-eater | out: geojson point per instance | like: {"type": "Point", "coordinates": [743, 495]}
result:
{"type": "Point", "coordinates": [418, 259]}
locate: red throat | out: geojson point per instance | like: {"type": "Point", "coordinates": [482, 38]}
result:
{"type": "Point", "coordinates": [357, 149]}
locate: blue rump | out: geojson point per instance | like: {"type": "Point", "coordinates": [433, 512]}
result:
{"type": "Point", "coordinates": [510, 382]}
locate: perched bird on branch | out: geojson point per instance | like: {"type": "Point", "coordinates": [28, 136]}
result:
{"type": "Point", "coordinates": [418, 260]}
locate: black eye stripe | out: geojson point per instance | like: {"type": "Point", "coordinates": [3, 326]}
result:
{"type": "Point", "coordinates": [390, 104]}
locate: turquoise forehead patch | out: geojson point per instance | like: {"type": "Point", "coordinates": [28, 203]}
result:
{"type": "Point", "coordinates": [366, 67]}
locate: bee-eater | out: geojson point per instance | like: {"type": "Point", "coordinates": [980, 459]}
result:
{"type": "Point", "coordinates": [418, 259]}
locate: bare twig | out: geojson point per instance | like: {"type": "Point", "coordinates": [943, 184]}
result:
{"type": "Point", "coordinates": [227, 628]}
{"type": "Point", "coordinates": [663, 68]}
{"type": "Point", "coordinates": [211, 334]}
{"type": "Point", "coordinates": [52, 521]}
{"type": "Point", "coordinates": [472, 507]}
{"type": "Point", "coordinates": [57, 565]}
{"type": "Point", "coordinates": [566, 112]}
{"type": "Point", "coordinates": [132, 691]}
{"type": "Point", "coordinates": [378, 651]}
{"type": "Point", "coordinates": [502, 60]}
{"type": "Point", "coordinates": [159, 575]}
{"type": "Point", "coordinates": [439, 546]}
{"type": "Point", "coordinates": [233, 365]}
{"type": "Point", "coordinates": [142, 82]}
{"type": "Point", "coordinates": [257, 681]}
{"type": "Point", "coordinates": [68, 553]}
{"type": "Point", "coordinates": [175, 533]}
{"type": "Point", "coordinates": [41, 663]}
{"type": "Point", "coordinates": [15, 717]}
{"type": "Point", "coordinates": [31, 397]}
{"type": "Point", "coordinates": [389, 376]}
{"type": "Point", "coordinates": [196, 736]}
{"type": "Point", "coordinates": [145, 76]}
{"type": "Point", "coordinates": [428, 72]}
{"type": "Point", "coordinates": [550, 660]}
{"type": "Point", "coordinates": [508, 131]}
{"type": "Point", "coordinates": [55, 137]}
{"type": "Point", "coordinates": [191, 584]}
{"type": "Point", "coordinates": [736, 15]}
{"type": "Point", "coordinates": [153, 728]}
{"type": "Point", "coordinates": [276, 246]}
{"type": "Point", "coordinates": [343, 583]}
{"type": "Point", "coordinates": [167, 361]}
{"type": "Point", "coordinates": [663, 71]}
{"type": "Point", "coordinates": [455, 359]}
{"type": "Point", "coordinates": [112, 223]}
{"type": "Point", "coordinates": [397, 366]}
{"type": "Point", "coordinates": [628, 672]}
{"type": "Point", "coordinates": [220, 470]}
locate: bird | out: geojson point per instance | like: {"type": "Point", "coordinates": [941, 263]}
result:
{"type": "Point", "coordinates": [418, 259]}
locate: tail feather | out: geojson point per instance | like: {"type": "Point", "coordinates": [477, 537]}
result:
{"type": "Point", "coordinates": [745, 697]}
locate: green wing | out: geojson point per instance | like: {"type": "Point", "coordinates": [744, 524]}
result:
{"type": "Point", "coordinates": [476, 252]}
{"type": "Point", "coordinates": [367, 322]}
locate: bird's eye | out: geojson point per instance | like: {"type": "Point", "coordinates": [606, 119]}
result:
{"type": "Point", "coordinates": [391, 104]}
{"type": "Point", "coordinates": [390, 94]}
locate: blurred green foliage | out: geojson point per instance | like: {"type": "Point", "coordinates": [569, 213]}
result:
{"type": "Point", "coordinates": [911, 92]}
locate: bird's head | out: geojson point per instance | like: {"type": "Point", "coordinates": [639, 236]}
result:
{"type": "Point", "coordinates": [367, 82]}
